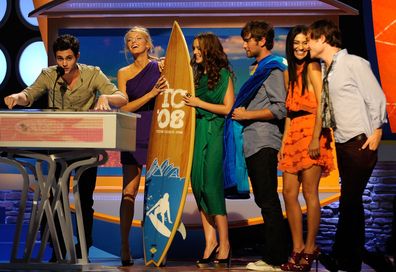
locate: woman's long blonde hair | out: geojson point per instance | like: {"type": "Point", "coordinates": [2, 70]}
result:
{"type": "Point", "coordinates": [144, 31]}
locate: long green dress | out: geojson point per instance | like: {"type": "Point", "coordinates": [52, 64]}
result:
{"type": "Point", "coordinates": [207, 175]}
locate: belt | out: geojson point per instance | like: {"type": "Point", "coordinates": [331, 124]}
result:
{"type": "Point", "coordinates": [295, 114]}
{"type": "Point", "coordinates": [359, 137]}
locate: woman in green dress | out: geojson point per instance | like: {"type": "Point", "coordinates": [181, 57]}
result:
{"type": "Point", "coordinates": [214, 98]}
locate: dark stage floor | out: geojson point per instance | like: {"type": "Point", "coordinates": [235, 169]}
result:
{"type": "Point", "coordinates": [112, 264]}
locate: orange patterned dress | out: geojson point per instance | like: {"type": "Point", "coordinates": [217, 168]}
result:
{"type": "Point", "coordinates": [302, 113]}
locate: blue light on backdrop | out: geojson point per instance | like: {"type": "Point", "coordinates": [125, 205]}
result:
{"type": "Point", "coordinates": [32, 59]}
{"type": "Point", "coordinates": [25, 7]}
{"type": "Point", "coordinates": [4, 64]}
{"type": "Point", "coordinates": [4, 11]}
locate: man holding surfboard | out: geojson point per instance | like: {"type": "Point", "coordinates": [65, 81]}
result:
{"type": "Point", "coordinates": [260, 108]}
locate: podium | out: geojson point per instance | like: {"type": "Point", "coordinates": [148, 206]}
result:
{"type": "Point", "coordinates": [53, 139]}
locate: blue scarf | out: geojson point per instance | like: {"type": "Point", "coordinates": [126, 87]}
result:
{"type": "Point", "coordinates": [234, 165]}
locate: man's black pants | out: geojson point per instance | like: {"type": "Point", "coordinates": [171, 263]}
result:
{"type": "Point", "coordinates": [355, 166]}
{"type": "Point", "coordinates": [262, 170]}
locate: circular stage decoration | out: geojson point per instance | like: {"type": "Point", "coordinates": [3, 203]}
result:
{"type": "Point", "coordinates": [5, 9]}
{"type": "Point", "coordinates": [32, 58]}
{"type": "Point", "coordinates": [24, 7]}
{"type": "Point", "coordinates": [4, 65]}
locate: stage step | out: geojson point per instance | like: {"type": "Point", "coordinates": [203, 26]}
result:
{"type": "Point", "coordinates": [6, 240]}
{"type": "Point", "coordinates": [7, 237]}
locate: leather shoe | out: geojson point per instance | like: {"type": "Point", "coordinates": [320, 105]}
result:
{"type": "Point", "coordinates": [329, 262]}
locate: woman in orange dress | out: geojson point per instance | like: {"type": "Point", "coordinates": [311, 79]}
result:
{"type": "Point", "coordinates": [305, 154]}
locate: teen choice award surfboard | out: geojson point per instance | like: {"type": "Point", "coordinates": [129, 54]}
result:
{"type": "Point", "coordinates": [170, 153]}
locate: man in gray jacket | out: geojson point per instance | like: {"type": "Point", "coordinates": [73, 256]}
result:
{"type": "Point", "coordinates": [263, 119]}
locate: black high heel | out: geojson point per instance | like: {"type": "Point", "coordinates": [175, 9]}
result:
{"type": "Point", "coordinates": [127, 262]}
{"type": "Point", "coordinates": [223, 263]}
{"type": "Point", "coordinates": [204, 262]}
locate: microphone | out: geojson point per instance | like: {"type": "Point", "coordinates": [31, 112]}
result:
{"type": "Point", "coordinates": [59, 72]}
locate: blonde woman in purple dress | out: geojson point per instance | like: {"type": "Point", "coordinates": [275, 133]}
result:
{"type": "Point", "coordinates": [141, 82]}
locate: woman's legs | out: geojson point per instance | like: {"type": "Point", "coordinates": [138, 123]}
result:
{"type": "Point", "coordinates": [130, 188]}
{"type": "Point", "coordinates": [310, 184]}
{"type": "Point", "coordinates": [291, 187]}
{"type": "Point", "coordinates": [222, 227]}
{"type": "Point", "coordinates": [209, 232]}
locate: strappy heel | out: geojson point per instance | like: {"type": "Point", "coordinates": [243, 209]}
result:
{"type": "Point", "coordinates": [309, 258]}
{"type": "Point", "coordinates": [294, 260]}
{"type": "Point", "coordinates": [205, 262]}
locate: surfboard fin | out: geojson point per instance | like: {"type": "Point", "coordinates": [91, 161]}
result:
{"type": "Point", "coordinates": [182, 230]}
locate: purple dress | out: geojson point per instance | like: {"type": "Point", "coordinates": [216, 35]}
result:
{"type": "Point", "coordinates": [136, 87]}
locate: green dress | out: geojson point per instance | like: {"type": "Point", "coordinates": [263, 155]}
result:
{"type": "Point", "coordinates": [207, 174]}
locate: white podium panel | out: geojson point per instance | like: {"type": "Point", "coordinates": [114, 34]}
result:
{"type": "Point", "coordinates": [49, 129]}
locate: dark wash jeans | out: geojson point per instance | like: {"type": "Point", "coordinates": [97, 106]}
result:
{"type": "Point", "coordinates": [262, 170]}
{"type": "Point", "coordinates": [355, 166]}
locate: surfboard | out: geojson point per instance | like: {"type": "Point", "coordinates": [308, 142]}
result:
{"type": "Point", "coordinates": [170, 151]}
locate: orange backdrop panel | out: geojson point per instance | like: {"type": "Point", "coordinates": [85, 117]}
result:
{"type": "Point", "coordinates": [384, 22]}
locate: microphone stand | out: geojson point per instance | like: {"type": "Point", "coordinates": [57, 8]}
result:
{"type": "Point", "coordinates": [63, 89]}
{"type": "Point", "coordinates": [59, 72]}
{"type": "Point", "coordinates": [53, 94]}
